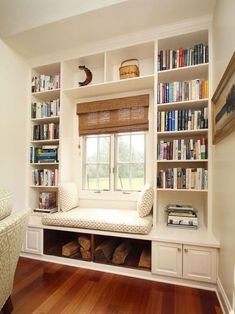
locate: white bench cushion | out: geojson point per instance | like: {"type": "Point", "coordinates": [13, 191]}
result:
{"type": "Point", "coordinates": [101, 219]}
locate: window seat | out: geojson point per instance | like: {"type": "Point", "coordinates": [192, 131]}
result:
{"type": "Point", "coordinates": [118, 220]}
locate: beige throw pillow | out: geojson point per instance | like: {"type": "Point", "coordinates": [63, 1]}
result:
{"type": "Point", "coordinates": [68, 196]}
{"type": "Point", "coordinates": [145, 201]}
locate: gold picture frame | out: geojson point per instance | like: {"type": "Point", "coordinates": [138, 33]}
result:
{"type": "Point", "coordinates": [223, 104]}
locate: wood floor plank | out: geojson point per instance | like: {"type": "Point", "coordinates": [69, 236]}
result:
{"type": "Point", "coordinates": [47, 288]}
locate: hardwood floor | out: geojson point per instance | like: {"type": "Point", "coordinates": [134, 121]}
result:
{"type": "Point", "coordinates": [42, 287]}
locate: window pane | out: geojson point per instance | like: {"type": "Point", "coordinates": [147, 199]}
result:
{"type": "Point", "coordinates": [137, 148]}
{"type": "Point", "coordinates": [91, 177]}
{"type": "Point", "coordinates": [123, 148]}
{"type": "Point", "coordinates": [104, 177]}
{"type": "Point", "coordinates": [97, 163]}
{"type": "Point", "coordinates": [130, 161]}
{"type": "Point", "coordinates": [104, 144]}
{"type": "Point", "coordinates": [122, 179]}
{"type": "Point", "coordinates": [137, 176]}
{"type": "Point", "coordinates": [91, 149]}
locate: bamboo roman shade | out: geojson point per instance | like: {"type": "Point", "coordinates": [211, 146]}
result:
{"type": "Point", "coordinates": [113, 115]}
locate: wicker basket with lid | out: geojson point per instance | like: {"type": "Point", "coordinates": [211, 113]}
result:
{"type": "Point", "coordinates": [128, 70]}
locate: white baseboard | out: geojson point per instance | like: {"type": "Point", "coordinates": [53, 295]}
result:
{"type": "Point", "coordinates": [224, 302]}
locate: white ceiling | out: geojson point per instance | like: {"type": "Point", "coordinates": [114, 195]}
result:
{"type": "Point", "coordinates": [38, 27]}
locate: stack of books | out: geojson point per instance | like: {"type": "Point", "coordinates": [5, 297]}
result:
{"type": "Point", "coordinates": [181, 216]}
{"type": "Point", "coordinates": [45, 210]}
{"type": "Point", "coordinates": [44, 154]}
{"type": "Point", "coordinates": [47, 203]}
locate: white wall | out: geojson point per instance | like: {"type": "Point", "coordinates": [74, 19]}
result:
{"type": "Point", "coordinates": [30, 14]}
{"type": "Point", "coordinates": [14, 75]}
{"type": "Point", "coordinates": [224, 153]}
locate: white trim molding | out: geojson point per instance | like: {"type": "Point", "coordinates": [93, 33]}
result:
{"type": "Point", "coordinates": [224, 302]}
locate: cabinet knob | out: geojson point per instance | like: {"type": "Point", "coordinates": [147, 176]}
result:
{"type": "Point", "coordinates": [179, 249]}
{"type": "Point", "coordinates": [186, 250]}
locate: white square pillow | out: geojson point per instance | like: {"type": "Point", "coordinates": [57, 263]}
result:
{"type": "Point", "coordinates": [145, 201]}
{"type": "Point", "coordinates": [68, 196]}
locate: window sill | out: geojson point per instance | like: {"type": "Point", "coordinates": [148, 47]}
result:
{"type": "Point", "coordinates": [109, 196]}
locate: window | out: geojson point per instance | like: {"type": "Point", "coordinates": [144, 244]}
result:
{"type": "Point", "coordinates": [113, 133]}
{"type": "Point", "coordinates": [114, 162]}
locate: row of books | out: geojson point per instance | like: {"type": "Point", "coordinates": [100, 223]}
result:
{"type": "Point", "coordinates": [46, 131]}
{"type": "Point", "coordinates": [183, 178]}
{"type": "Point", "coordinates": [181, 216]}
{"type": "Point", "coordinates": [43, 83]}
{"type": "Point", "coordinates": [180, 120]}
{"type": "Point", "coordinates": [44, 154]}
{"type": "Point", "coordinates": [182, 149]}
{"type": "Point", "coordinates": [182, 91]}
{"type": "Point", "coordinates": [171, 59]}
{"type": "Point", "coordinates": [45, 177]}
{"type": "Point", "coordinates": [45, 109]}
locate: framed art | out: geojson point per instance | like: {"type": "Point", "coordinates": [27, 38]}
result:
{"type": "Point", "coordinates": [223, 104]}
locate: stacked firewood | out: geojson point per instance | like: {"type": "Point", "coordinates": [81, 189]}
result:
{"type": "Point", "coordinates": [111, 250]}
{"type": "Point", "coordinates": [80, 246]}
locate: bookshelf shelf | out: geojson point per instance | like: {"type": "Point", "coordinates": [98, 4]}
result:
{"type": "Point", "coordinates": [46, 119]}
{"type": "Point", "coordinates": [184, 73]}
{"type": "Point", "coordinates": [44, 164]}
{"type": "Point", "coordinates": [192, 104]}
{"type": "Point", "coordinates": [168, 134]}
{"type": "Point", "coordinates": [199, 236]}
{"type": "Point", "coordinates": [44, 186]}
{"type": "Point", "coordinates": [54, 141]}
{"type": "Point", "coordinates": [47, 95]}
{"type": "Point", "coordinates": [183, 161]}
{"type": "Point", "coordinates": [182, 190]}
{"type": "Point", "coordinates": [127, 85]}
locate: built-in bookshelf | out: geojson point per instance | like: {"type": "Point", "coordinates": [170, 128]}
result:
{"type": "Point", "coordinates": [182, 119]}
{"type": "Point", "coordinates": [174, 71]}
{"type": "Point", "coordinates": [45, 136]}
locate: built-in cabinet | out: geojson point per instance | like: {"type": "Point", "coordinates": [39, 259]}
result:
{"type": "Point", "coordinates": [33, 243]}
{"type": "Point", "coordinates": [180, 122]}
{"type": "Point", "coordinates": [184, 261]}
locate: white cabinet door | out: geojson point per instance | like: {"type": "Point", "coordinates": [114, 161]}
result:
{"type": "Point", "coordinates": [33, 241]}
{"type": "Point", "coordinates": [167, 259]}
{"type": "Point", "coordinates": [199, 263]}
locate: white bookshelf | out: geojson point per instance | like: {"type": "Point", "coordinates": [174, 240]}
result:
{"type": "Point", "coordinates": [196, 197]}
{"type": "Point", "coordinates": [47, 96]}
{"type": "Point", "coordinates": [106, 84]}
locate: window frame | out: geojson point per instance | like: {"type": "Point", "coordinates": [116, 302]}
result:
{"type": "Point", "coordinates": [112, 194]}
{"type": "Point", "coordinates": [112, 198]}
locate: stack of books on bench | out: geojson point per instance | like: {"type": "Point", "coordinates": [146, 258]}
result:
{"type": "Point", "coordinates": [182, 216]}
{"type": "Point", "coordinates": [45, 210]}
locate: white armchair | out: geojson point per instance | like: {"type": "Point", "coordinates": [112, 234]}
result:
{"type": "Point", "coordinates": [12, 232]}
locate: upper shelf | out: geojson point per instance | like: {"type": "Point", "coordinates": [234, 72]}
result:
{"type": "Point", "coordinates": [184, 73]}
{"type": "Point", "coordinates": [104, 68]}
{"type": "Point", "coordinates": [132, 84]}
